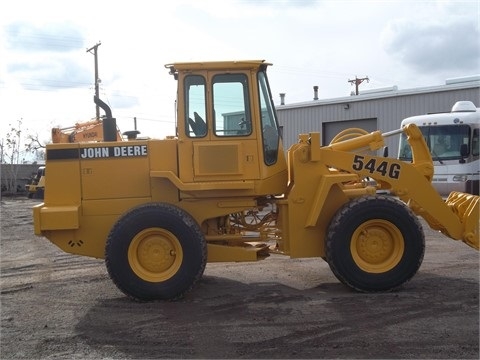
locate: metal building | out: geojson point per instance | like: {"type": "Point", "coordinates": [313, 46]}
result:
{"type": "Point", "coordinates": [14, 177]}
{"type": "Point", "coordinates": [381, 109]}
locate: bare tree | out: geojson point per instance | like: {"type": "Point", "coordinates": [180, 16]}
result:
{"type": "Point", "coordinates": [35, 146]}
{"type": "Point", "coordinates": [12, 155]}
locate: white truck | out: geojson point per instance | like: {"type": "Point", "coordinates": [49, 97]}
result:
{"type": "Point", "coordinates": [453, 140]}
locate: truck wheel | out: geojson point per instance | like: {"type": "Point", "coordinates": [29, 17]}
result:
{"type": "Point", "coordinates": [375, 243]}
{"type": "Point", "coordinates": [155, 252]}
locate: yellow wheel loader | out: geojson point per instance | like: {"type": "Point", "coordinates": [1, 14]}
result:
{"type": "Point", "coordinates": [223, 189]}
{"type": "Point", "coordinates": [36, 187]}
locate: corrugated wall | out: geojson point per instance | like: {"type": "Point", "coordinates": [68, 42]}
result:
{"type": "Point", "coordinates": [19, 173]}
{"type": "Point", "coordinates": [389, 110]}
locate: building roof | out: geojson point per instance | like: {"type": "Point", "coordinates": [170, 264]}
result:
{"type": "Point", "coordinates": [450, 84]}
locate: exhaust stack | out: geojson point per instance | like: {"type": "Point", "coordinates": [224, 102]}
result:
{"type": "Point", "coordinates": [109, 122]}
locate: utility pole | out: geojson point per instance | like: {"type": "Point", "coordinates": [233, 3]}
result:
{"type": "Point", "coordinates": [97, 80]}
{"type": "Point", "coordinates": [357, 82]}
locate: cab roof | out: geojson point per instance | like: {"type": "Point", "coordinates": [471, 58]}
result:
{"type": "Point", "coordinates": [217, 65]}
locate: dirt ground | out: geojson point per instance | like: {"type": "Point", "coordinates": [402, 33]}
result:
{"type": "Point", "coordinates": [60, 306]}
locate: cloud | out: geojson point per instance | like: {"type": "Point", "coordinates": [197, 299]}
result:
{"type": "Point", "coordinates": [433, 47]}
{"type": "Point", "coordinates": [51, 37]}
{"type": "Point", "coordinates": [44, 57]}
{"type": "Point", "coordinates": [289, 3]}
{"type": "Point", "coordinates": [47, 73]}
{"type": "Point", "coordinates": [121, 101]}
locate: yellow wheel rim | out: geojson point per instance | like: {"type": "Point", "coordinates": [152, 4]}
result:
{"type": "Point", "coordinates": [155, 254]}
{"type": "Point", "coordinates": [377, 246]}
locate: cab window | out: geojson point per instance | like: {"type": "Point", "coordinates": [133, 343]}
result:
{"type": "Point", "coordinates": [195, 124]}
{"type": "Point", "coordinates": [270, 131]}
{"type": "Point", "coordinates": [230, 105]}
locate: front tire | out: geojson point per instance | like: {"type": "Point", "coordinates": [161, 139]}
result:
{"type": "Point", "coordinates": [375, 243]}
{"type": "Point", "coordinates": [155, 252]}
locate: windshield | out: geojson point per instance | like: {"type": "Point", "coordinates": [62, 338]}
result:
{"type": "Point", "coordinates": [443, 141]}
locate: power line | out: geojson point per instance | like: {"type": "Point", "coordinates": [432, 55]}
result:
{"type": "Point", "coordinates": [41, 41]}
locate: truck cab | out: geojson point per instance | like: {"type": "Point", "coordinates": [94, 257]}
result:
{"type": "Point", "coordinates": [453, 141]}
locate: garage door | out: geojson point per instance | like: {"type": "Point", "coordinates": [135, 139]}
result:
{"type": "Point", "coordinates": [331, 129]}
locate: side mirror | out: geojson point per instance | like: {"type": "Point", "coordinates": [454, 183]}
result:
{"type": "Point", "coordinates": [385, 151]}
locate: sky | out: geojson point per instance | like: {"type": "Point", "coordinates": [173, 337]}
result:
{"type": "Point", "coordinates": [47, 74]}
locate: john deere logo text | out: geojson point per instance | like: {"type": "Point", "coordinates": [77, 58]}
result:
{"type": "Point", "coordinates": [113, 151]}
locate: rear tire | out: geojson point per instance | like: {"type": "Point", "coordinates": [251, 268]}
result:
{"type": "Point", "coordinates": [155, 252]}
{"type": "Point", "coordinates": [375, 243]}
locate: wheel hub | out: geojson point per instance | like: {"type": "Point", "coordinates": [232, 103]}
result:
{"type": "Point", "coordinates": [377, 246]}
{"type": "Point", "coordinates": [155, 254]}
{"type": "Point", "coordinates": [374, 245]}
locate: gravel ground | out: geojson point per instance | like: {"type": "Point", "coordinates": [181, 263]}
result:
{"type": "Point", "coordinates": [60, 306]}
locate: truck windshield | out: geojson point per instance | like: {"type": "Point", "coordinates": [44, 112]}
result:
{"type": "Point", "coordinates": [443, 141]}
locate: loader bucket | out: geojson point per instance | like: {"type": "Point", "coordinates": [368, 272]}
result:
{"type": "Point", "coordinates": [466, 207]}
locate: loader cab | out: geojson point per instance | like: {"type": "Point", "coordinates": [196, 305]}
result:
{"type": "Point", "coordinates": [227, 126]}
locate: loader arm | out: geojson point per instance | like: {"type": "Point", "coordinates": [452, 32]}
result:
{"type": "Point", "coordinates": [464, 225]}
{"type": "Point", "coordinates": [457, 217]}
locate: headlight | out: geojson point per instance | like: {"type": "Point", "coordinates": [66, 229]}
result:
{"type": "Point", "coordinates": [460, 178]}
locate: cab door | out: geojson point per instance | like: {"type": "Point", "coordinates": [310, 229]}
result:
{"type": "Point", "coordinates": [219, 143]}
